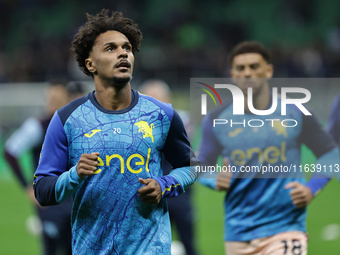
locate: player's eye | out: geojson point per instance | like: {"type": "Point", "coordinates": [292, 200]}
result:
{"type": "Point", "coordinates": [127, 47]}
{"type": "Point", "coordinates": [239, 68]}
{"type": "Point", "coordinates": [254, 66]}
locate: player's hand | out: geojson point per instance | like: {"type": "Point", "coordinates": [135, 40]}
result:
{"type": "Point", "coordinates": [223, 178]}
{"type": "Point", "coordinates": [30, 195]}
{"type": "Point", "coordinates": [300, 194]}
{"type": "Point", "coordinates": [151, 193]}
{"type": "Point", "coordinates": [87, 164]}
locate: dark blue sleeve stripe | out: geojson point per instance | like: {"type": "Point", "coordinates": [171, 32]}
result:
{"type": "Point", "coordinates": [54, 153]}
{"type": "Point", "coordinates": [66, 111]}
{"type": "Point", "coordinates": [44, 190]}
{"type": "Point", "coordinates": [177, 149]}
{"type": "Point", "coordinates": [53, 162]}
{"type": "Point", "coordinates": [315, 136]}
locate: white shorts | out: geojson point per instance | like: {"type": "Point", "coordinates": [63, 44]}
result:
{"type": "Point", "coordinates": [286, 243]}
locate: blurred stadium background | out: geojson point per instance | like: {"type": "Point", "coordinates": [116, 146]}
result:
{"type": "Point", "coordinates": [182, 39]}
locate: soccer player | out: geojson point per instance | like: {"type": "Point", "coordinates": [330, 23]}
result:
{"type": "Point", "coordinates": [180, 208]}
{"type": "Point", "coordinates": [105, 150]}
{"type": "Point", "coordinates": [56, 225]}
{"type": "Point", "coordinates": [263, 215]}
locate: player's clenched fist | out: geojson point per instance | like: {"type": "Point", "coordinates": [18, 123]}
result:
{"type": "Point", "coordinates": [223, 178]}
{"type": "Point", "coordinates": [151, 193]}
{"type": "Point", "coordinates": [300, 194]}
{"type": "Point", "coordinates": [87, 164]}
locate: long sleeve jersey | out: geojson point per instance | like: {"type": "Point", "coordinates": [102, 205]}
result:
{"type": "Point", "coordinates": [108, 216]}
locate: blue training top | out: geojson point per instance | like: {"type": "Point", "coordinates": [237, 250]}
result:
{"type": "Point", "coordinates": [258, 205]}
{"type": "Point", "coordinates": [108, 216]}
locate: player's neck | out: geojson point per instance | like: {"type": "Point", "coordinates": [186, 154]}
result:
{"type": "Point", "coordinates": [261, 99]}
{"type": "Point", "coordinates": [113, 97]}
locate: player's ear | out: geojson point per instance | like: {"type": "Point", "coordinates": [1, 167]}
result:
{"type": "Point", "coordinates": [231, 72]}
{"type": "Point", "coordinates": [90, 65]}
{"type": "Point", "coordinates": [269, 71]}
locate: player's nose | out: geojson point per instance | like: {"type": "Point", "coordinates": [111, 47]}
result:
{"type": "Point", "coordinates": [247, 73]}
{"type": "Point", "coordinates": [122, 53]}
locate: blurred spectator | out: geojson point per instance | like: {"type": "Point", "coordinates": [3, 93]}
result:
{"type": "Point", "coordinates": [56, 220]}
{"type": "Point", "coordinates": [187, 44]}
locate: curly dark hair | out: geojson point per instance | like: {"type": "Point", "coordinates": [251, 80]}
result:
{"type": "Point", "coordinates": [249, 47]}
{"type": "Point", "coordinates": [83, 41]}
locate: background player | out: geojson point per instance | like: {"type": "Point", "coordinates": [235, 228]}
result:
{"type": "Point", "coordinates": [105, 150]}
{"type": "Point", "coordinates": [56, 225]}
{"type": "Point", "coordinates": [180, 208]}
{"type": "Point", "coordinates": [263, 215]}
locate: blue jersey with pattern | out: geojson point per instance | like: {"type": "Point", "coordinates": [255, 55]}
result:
{"type": "Point", "coordinates": [108, 216]}
{"type": "Point", "coordinates": [258, 207]}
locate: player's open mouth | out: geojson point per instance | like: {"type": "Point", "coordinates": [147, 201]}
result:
{"type": "Point", "coordinates": [249, 84]}
{"type": "Point", "coordinates": [124, 64]}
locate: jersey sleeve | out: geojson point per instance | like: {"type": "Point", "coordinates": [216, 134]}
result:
{"type": "Point", "coordinates": [52, 164]}
{"type": "Point", "coordinates": [179, 154]}
{"type": "Point", "coordinates": [209, 150]}
{"type": "Point", "coordinates": [324, 148]}
{"type": "Point", "coordinates": [315, 137]}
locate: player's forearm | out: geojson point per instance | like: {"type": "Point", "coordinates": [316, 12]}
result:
{"type": "Point", "coordinates": [67, 184]}
{"type": "Point", "coordinates": [208, 180]}
{"type": "Point", "coordinates": [186, 176]}
{"type": "Point", "coordinates": [52, 190]}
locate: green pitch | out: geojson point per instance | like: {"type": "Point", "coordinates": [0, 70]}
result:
{"type": "Point", "coordinates": [323, 218]}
